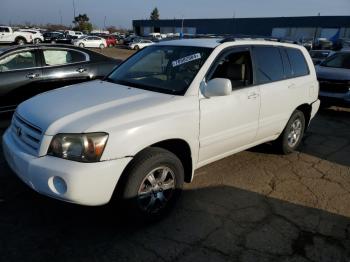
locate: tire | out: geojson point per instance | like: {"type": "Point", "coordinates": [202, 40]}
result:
{"type": "Point", "coordinates": [150, 198]}
{"type": "Point", "coordinates": [136, 47]}
{"type": "Point", "coordinates": [102, 46]}
{"type": "Point", "coordinates": [110, 45]}
{"type": "Point", "coordinates": [20, 41]}
{"type": "Point", "coordinates": [292, 134]}
{"type": "Point", "coordinates": [37, 41]}
{"type": "Point", "coordinates": [81, 45]}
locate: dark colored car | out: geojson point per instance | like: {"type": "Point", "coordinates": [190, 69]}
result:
{"type": "Point", "coordinates": [319, 56]}
{"type": "Point", "coordinates": [28, 70]}
{"type": "Point", "coordinates": [334, 77]}
{"type": "Point", "coordinates": [57, 38]}
{"type": "Point", "coordinates": [110, 40]}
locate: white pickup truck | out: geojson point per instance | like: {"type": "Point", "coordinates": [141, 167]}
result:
{"type": "Point", "coordinates": [9, 36]}
{"type": "Point", "coordinates": [169, 109]}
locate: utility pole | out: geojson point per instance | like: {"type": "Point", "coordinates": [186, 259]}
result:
{"type": "Point", "coordinates": [61, 20]}
{"type": "Point", "coordinates": [73, 9]}
{"type": "Point", "coordinates": [104, 23]}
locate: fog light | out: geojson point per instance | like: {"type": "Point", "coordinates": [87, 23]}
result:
{"type": "Point", "coordinates": [58, 185]}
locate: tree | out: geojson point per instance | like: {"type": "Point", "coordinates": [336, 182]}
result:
{"type": "Point", "coordinates": [155, 14]}
{"type": "Point", "coordinates": [82, 23]}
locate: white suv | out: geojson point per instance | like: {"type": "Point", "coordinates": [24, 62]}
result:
{"type": "Point", "coordinates": [167, 110]}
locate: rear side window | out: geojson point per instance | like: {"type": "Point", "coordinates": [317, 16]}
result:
{"type": "Point", "coordinates": [288, 72]}
{"type": "Point", "coordinates": [297, 61]}
{"type": "Point", "coordinates": [269, 66]}
{"type": "Point", "coordinates": [62, 57]}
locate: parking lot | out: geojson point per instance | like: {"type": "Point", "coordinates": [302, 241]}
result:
{"type": "Point", "coordinates": [253, 206]}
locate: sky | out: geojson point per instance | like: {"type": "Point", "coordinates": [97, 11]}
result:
{"type": "Point", "coordinates": [120, 13]}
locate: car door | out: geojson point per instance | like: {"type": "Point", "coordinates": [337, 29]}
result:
{"type": "Point", "coordinates": [275, 86]}
{"type": "Point", "coordinates": [64, 66]}
{"type": "Point", "coordinates": [228, 123]}
{"type": "Point", "coordinates": [6, 35]}
{"type": "Point", "coordinates": [20, 74]}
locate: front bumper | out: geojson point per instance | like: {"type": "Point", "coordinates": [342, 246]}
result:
{"type": "Point", "coordinates": [89, 184]}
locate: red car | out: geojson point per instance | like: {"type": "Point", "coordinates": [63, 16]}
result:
{"type": "Point", "coordinates": [111, 40]}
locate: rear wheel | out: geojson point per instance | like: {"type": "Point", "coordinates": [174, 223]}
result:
{"type": "Point", "coordinates": [154, 181]}
{"type": "Point", "coordinates": [137, 47]}
{"type": "Point", "coordinates": [20, 41]}
{"type": "Point", "coordinates": [110, 45]}
{"type": "Point", "coordinates": [81, 45]}
{"type": "Point", "coordinates": [293, 133]}
{"type": "Point", "coordinates": [37, 41]}
{"type": "Point", "coordinates": [102, 46]}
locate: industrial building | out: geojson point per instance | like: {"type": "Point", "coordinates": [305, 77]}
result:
{"type": "Point", "coordinates": [330, 27]}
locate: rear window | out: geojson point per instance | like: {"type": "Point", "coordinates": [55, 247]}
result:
{"type": "Point", "coordinates": [268, 64]}
{"type": "Point", "coordinates": [297, 61]}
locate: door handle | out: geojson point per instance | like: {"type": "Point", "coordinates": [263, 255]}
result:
{"type": "Point", "coordinates": [253, 96]}
{"type": "Point", "coordinates": [81, 70]}
{"type": "Point", "coordinates": [32, 75]}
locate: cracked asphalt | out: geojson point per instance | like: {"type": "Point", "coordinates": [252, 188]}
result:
{"type": "Point", "coordinates": [253, 206]}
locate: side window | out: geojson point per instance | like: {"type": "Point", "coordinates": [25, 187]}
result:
{"type": "Point", "coordinates": [297, 60]}
{"type": "Point", "coordinates": [62, 57]}
{"type": "Point", "coordinates": [288, 72]}
{"type": "Point", "coordinates": [269, 66]}
{"type": "Point", "coordinates": [4, 30]}
{"type": "Point", "coordinates": [18, 61]}
{"type": "Point", "coordinates": [237, 67]}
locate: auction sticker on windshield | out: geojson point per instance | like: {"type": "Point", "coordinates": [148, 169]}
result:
{"type": "Point", "coordinates": [186, 59]}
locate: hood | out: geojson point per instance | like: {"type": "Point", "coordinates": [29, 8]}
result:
{"type": "Point", "coordinates": [80, 108]}
{"type": "Point", "coordinates": [332, 73]}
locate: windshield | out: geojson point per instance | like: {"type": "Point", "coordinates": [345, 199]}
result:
{"type": "Point", "coordinates": [339, 60]}
{"type": "Point", "coordinates": [165, 69]}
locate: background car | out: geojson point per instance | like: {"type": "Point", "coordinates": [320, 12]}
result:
{"type": "Point", "coordinates": [37, 35]}
{"type": "Point", "coordinates": [28, 70]}
{"type": "Point", "coordinates": [320, 55]}
{"type": "Point", "coordinates": [57, 37]}
{"type": "Point", "coordinates": [110, 40]}
{"type": "Point", "coordinates": [140, 44]}
{"type": "Point", "coordinates": [91, 41]}
{"type": "Point", "coordinates": [334, 77]}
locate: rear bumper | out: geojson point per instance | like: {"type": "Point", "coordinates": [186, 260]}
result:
{"type": "Point", "coordinates": [81, 183]}
{"type": "Point", "coordinates": [314, 108]}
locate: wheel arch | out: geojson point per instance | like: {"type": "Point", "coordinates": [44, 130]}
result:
{"type": "Point", "coordinates": [179, 147]}
{"type": "Point", "coordinates": [306, 109]}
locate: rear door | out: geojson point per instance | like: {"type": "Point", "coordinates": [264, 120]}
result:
{"type": "Point", "coordinates": [63, 66]}
{"type": "Point", "coordinates": [20, 74]}
{"type": "Point", "coordinates": [276, 100]}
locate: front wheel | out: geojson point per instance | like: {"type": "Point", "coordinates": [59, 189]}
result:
{"type": "Point", "coordinates": [154, 181]}
{"type": "Point", "coordinates": [37, 41]}
{"type": "Point", "coordinates": [20, 41]}
{"type": "Point", "coordinates": [102, 46]}
{"type": "Point", "coordinates": [136, 47]}
{"type": "Point", "coordinates": [292, 134]}
{"type": "Point", "coordinates": [81, 45]}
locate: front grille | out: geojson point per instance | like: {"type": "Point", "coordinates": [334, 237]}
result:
{"type": "Point", "coordinates": [27, 133]}
{"type": "Point", "coordinates": [334, 86]}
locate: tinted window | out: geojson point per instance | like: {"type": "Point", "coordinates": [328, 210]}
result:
{"type": "Point", "coordinates": [61, 57]}
{"type": "Point", "coordinates": [269, 64]}
{"type": "Point", "coordinates": [297, 60]}
{"type": "Point", "coordinates": [17, 61]}
{"type": "Point", "coordinates": [4, 30]}
{"type": "Point", "coordinates": [340, 60]}
{"type": "Point", "coordinates": [288, 72]}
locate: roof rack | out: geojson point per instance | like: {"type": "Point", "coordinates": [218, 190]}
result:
{"type": "Point", "coordinates": [233, 38]}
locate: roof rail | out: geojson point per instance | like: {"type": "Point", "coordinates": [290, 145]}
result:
{"type": "Point", "coordinates": [233, 38]}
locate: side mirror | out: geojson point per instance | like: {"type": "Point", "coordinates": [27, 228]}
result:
{"type": "Point", "coordinates": [218, 87]}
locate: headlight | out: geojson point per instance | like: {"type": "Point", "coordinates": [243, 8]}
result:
{"type": "Point", "coordinates": [78, 147]}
